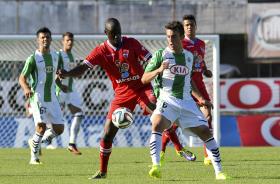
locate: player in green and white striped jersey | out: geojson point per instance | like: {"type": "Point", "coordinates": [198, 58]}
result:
{"type": "Point", "coordinates": [172, 68]}
{"type": "Point", "coordinates": [71, 98]}
{"type": "Point", "coordinates": [41, 69]}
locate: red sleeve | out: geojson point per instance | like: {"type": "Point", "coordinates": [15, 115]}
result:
{"type": "Point", "coordinates": [202, 46]}
{"type": "Point", "coordinates": [94, 58]}
{"type": "Point", "coordinates": [141, 51]}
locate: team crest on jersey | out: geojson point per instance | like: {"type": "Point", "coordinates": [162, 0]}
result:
{"type": "Point", "coordinates": [123, 69]}
{"type": "Point", "coordinates": [179, 70]}
{"type": "Point", "coordinates": [49, 69]}
{"type": "Point", "coordinates": [125, 53]}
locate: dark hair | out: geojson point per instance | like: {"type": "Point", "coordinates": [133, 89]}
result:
{"type": "Point", "coordinates": [43, 30]}
{"type": "Point", "coordinates": [112, 21]}
{"type": "Point", "coordinates": [69, 34]}
{"type": "Point", "coordinates": [189, 17]}
{"type": "Point", "coordinates": [175, 26]}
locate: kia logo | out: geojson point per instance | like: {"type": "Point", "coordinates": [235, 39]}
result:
{"type": "Point", "coordinates": [179, 70]}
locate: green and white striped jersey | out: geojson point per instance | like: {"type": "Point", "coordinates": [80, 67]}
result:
{"type": "Point", "coordinates": [67, 64]}
{"type": "Point", "coordinates": [176, 80]}
{"type": "Point", "coordinates": [41, 70]}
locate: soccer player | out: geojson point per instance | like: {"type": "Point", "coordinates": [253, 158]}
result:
{"type": "Point", "coordinates": [41, 69]}
{"type": "Point", "coordinates": [120, 58]}
{"type": "Point", "coordinates": [172, 67]}
{"type": "Point", "coordinates": [71, 97]}
{"type": "Point", "coordinates": [197, 48]}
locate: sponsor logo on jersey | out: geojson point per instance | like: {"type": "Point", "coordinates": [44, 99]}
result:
{"type": "Point", "coordinates": [132, 78]}
{"type": "Point", "coordinates": [49, 69]}
{"type": "Point", "coordinates": [123, 69]}
{"type": "Point", "coordinates": [179, 70]}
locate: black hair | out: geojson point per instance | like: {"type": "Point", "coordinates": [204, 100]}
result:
{"type": "Point", "coordinates": [175, 26]}
{"type": "Point", "coordinates": [43, 30]}
{"type": "Point", "coordinates": [189, 17]}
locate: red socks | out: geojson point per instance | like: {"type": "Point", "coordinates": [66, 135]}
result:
{"type": "Point", "coordinates": [105, 152]}
{"type": "Point", "coordinates": [170, 134]}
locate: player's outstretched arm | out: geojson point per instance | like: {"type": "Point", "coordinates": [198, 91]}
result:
{"type": "Point", "coordinates": [75, 72]}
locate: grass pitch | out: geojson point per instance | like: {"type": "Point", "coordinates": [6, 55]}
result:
{"type": "Point", "coordinates": [130, 165]}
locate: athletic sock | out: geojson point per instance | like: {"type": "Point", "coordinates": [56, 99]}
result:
{"type": "Point", "coordinates": [48, 136]}
{"type": "Point", "coordinates": [105, 152]}
{"type": "Point", "coordinates": [75, 127]}
{"type": "Point", "coordinates": [155, 147]}
{"type": "Point", "coordinates": [171, 133]}
{"type": "Point", "coordinates": [165, 141]}
{"type": "Point", "coordinates": [214, 154]}
{"type": "Point", "coordinates": [35, 145]}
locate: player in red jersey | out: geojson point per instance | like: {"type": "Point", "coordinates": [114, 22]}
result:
{"type": "Point", "coordinates": [120, 58]}
{"type": "Point", "coordinates": [197, 47]}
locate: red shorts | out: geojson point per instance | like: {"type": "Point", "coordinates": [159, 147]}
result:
{"type": "Point", "coordinates": [143, 97]}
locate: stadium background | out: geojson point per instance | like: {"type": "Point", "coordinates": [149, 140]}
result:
{"type": "Point", "coordinates": [249, 117]}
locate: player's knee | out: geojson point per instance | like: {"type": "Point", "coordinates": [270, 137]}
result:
{"type": "Point", "coordinates": [58, 129]}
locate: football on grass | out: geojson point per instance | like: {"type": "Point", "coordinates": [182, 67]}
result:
{"type": "Point", "coordinates": [122, 117]}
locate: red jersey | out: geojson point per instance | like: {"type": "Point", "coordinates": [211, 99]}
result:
{"type": "Point", "coordinates": [197, 48]}
{"type": "Point", "coordinates": [122, 66]}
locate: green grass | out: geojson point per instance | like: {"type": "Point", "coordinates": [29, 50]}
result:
{"type": "Point", "coordinates": [130, 165]}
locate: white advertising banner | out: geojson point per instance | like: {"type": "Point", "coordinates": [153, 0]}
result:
{"type": "Point", "coordinates": [263, 30]}
{"type": "Point", "coordinates": [255, 94]}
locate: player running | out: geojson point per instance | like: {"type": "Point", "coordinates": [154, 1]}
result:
{"type": "Point", "coordinates": [120, 58]}
{"type": "Point", "coordinates": [40, 68]}
{"type": "Point", "coordinates": [71, 98]}
{"type": "Point", "coordinates": [173, 67]}
{"type": "Point", "coordinates": [197, 48]}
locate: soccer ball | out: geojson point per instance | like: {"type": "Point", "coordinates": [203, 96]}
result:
{"type": "Point", "coordinates": [122, 117]}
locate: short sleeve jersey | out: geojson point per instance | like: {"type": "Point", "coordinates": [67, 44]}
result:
{"type": "Point", "coordinates": [122, 66]}
{"type": "Point", "coordinates": [41, 70]}
{"type": "Point", "coordinates": [176, 80]}
{"type": "Point", "coordinates": [197, 47]}
{"type": "Point", "coordinates": [68, 63]}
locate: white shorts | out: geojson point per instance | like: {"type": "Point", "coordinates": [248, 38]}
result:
{"type": "Point", "coordinates": [72, 98]}
{"type": "Point", "coordinates": [46, 112]}
{"type": "Point", "coordinates": [184, 112]}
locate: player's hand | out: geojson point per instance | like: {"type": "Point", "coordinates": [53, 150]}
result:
{"type": "Point", "coordinates": [164, 65]}
{"type": "Point", "coordinates": [208, 73]}
{"type": "Point", "coordinates": [28, 93]}
{"type": "Point", "coordinates": [206, 103]}
{"type": "Point", "coordinates": [64, 88]}
{"type": "Point", "coordinates": [62, 74]}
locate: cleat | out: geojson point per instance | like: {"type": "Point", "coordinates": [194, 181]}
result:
{"type": "Point", "coordinates": [73, 148]}
{"type": "Point", "coordinates": [35, 162]}
{"type": "Point", "coordinates": [162, 155]}
{"type": "Point", "coordinates": [98, 175]}
{"type": "Point", "coordinates": [186, 154]}
{"type": "Point", "coordinates": [155, 172]}
{"type": "Point", "coordinates": [222, 176]}
{"type": "Point", "coordinates": [207, 161]}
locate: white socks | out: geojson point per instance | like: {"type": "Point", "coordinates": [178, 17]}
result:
{"type": "Point", "coordinates": [75, 127]}
{"type": "Point", "coordinates": [48, 136]}
{"type": "Point", "coordinates": [35, 145]}
{"type": "Point", "coordinates": [214, 153]}
{"type": "Point", "coordinates": [155, 147]}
